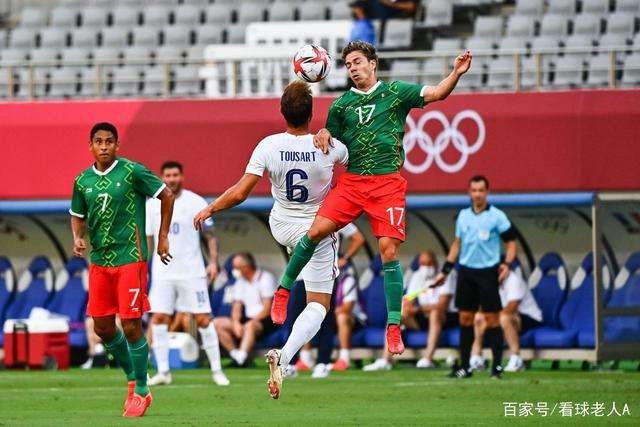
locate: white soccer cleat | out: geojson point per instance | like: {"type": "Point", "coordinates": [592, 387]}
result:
{"type": "Point", "coordinates": [424, 363]}
{"type": "Point", "coordinates": [476, 363]}
{"type": "Point", "coordinates": [378, 365]}
{"type": "Point", "coordinates": [275, 373]}
{"type": "Point", "coordinates": [161, 379]}
{"type": "Point", "coordinates": [220, 378]}
{"type": "Point", "coordinates": [88, 364]}
{"type": "Point", "coordinates": [515, 364]}
{"type": "Point", "coordinates": [290, 371]}
{"type": "Point", "coordinates": [321, 370]}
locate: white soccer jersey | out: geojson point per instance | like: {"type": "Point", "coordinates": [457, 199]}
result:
{"type": "Point", "coordinates": [421, 279]}
{"type": "Point", "coordinates": [515, 288]}
{"type": "Point", "coordinates": [184, 239]}
{"type": "Point", "coordinates": [300, 174]}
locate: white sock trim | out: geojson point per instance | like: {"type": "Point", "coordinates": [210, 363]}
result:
{"type": "Point", "coordinates": [304, 329]}
{"type": "Point", "coordinates": [160, 335]}
{"type": "Point", "coordinates": [211, 346]}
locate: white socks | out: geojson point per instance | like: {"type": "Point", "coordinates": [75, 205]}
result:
{"type": "Point", "coordinates": [305, 356]}
{"type": "Point", "coordinates": [211, 346]}
{"type": "Point", "coordinates": [239, 356]}
{"type": "Point", "coordinates": [160, 334]}
{"type": "Point", "coordinates": [345, 354]}
{"type": "Point", "coordinates": [304, 328]}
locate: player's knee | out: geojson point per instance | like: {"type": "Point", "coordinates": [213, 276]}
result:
{"type": "Point", "coordinates": [160, 319]}
{"type": "Point", "coordinates": [132, 330]}
{"type": "Point", "coordinates": [316, 234]}
{"type": "Point", "coordinates": [492, 319]}
{"type": "Point", "coordinates": [478, 321]}
{"type": "Point", "coordinates": [506, 319]}
{"type": "Point", "coordinates": [203, 320]}
{"type": "Point", "coordinates": [466, 318]}
{"type": "Point", "coordinates": [106, 332]}
{"type": "Point", "coordinates": [389, 251]}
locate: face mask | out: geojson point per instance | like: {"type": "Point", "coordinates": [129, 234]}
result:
{"type": "Point", "coordinates": [427, 270]}
{"type": "Point", "coordinates": [236, 273]}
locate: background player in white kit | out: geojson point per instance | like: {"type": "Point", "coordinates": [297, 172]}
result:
{"type": "Point", "coordinates": [300, 176]}
{"type": "Point", "coordinates": [182, 286]}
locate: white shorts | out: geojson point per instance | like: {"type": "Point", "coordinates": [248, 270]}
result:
{"type": "Point", "coordinates": [321, 271]}
{"type": "Point", "coordinates": [187, 295]}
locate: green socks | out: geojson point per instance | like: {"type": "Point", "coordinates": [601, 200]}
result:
{"type": "Point", "coordinates": [140, 356]}
{"type": "Point", "coordinates": [393, 291]}
{"type": "Point", "coordinates": [119, 349]}
{"type": "Point", "coordinates": [301, 255]}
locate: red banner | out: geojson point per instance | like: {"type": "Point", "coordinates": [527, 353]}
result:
{"type": "Point", "coordinates": [575, 140]}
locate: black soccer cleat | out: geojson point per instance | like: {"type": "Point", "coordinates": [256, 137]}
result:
{"type": "Point", "coordinates": [460, 373]}
{"type": "Point", "coordinates": [497, 372]}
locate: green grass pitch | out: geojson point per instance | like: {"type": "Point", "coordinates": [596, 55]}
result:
{"type": "Point", "coordinates": [404, 396]}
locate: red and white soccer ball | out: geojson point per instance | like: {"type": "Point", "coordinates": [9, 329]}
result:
{"type": "Point", "coordinates": [312, 63]}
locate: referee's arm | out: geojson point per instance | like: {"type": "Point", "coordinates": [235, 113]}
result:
{"type": "Point", "coordinates": [509, 239]}
{"type": "Point", "coordinates": [448, 265]}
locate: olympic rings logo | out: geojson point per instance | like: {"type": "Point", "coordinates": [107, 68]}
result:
{"type": "Point", "coordinates": [416, 135]}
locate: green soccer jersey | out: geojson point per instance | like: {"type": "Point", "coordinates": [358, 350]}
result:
{"type": "Point", "coordinates": [113, 204]}
{"type": "Point", "coordinates": [371, 125]}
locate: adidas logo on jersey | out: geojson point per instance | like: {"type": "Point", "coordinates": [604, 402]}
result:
{"type": "Point", "coordinates": [88, 190]}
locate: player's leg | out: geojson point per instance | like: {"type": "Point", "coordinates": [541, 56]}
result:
{"type": "Point", "coordinates": [224, 328]}
{"type": "Point", "coordinates": [393, 289]}
{"type": "Point", "coordinates": [476, 362]}
{"type": "Point", "coordinates": [491, 307]}
{"type": "Point", "coordinates": [326, 336]}
{"type": "Point", "coordinates": [467, 302]}
{"type": "Point", "coordinates": [436, 321]}
{"type": "Point", "coordinates": [162, 300]}
{"type": "Point", "coordinates": [344, 322]}
{"type": "Point", "coordinates": [511, 324]}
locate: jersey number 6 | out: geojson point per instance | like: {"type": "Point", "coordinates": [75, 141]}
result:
{"type": "Point", "coordinates": [303, 193]}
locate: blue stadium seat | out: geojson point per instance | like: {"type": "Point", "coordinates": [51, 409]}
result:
{"type": "Point", "coordinates": [548, 283]}
{"type": "Point", "coordinates": [70, 299]}
{"type": "Point", "coordinates": [576, 316]}
{"type": "Point", "coordinates": [626, 293]}
{"type": "Point", "coordinates": [7, 290]}
{"type": "Point", "coordinates": [34, 289]}
{"type": "Point", "coordinates": [375, 306]}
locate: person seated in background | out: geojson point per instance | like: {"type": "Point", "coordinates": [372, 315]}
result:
{"type": "Point", "coordinates": [397, 9]}
{"type": "Point", "coordinates": [425, 308]}
{"type": "Point", "coordinates": [252, 297]}
{"type": "Point", "coordinates": [362, 26]}
{"type": "Point", "coordinates": [519, 314]}
{"type": "Point", "coordinates": [350, 317]}
{"type": "Point", "coordinates": [97, 355]}
{"type": "Point", "coordinates": [181, 322]}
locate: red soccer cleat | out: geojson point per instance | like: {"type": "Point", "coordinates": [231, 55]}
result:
{"type": "Point", "coordinates": [279, 306]}
{"type": "Point", "coordinates": [340, 365]}
{"type": "Point", "coordinates": [131, 386]}
{"type": "Point", "coordinates": [137, 406]}
{"type": "Point", "coordinates": [394, 339]}
{"type": "Point", "coordinates": [301, 366]}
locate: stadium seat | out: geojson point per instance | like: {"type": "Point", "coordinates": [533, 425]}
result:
{"type": "Point", "coordinates": [36, 81]}
{"type": "Point", "coordinates": [562, 7]}
{"type": "Point", "coordinates": [433, 70]}
{"type": "Point", "coordinates": [126, 81]}
{"type": "Point", "coordinates": [201, 3]}
{"type": "Point", "coordinates": [64, 17]}
{"type": "Point", "coordinates": [375, 305]}
{"type": "Point", "coordinates": [548, 284]}
{"type": "Point", "coordinates": [608, 42]}
{"type": "Point", "coordinates": [208, 34]}
{"type": "Point", "coordinates": [13, 55]}
{"type": "Point", "coordinates": [554, 25]}
{"type": "Point", "coordinates": [510, 45]}
{"type": "Point", "coordinates": [313, 11]}
{"type": "Point", "coordinates": [407, 70]}
{"type": "Point", "coordinates": [63, 82]}
{"type": "Point", "coordinates": [76, 55]}
{"type": "Point", "coordinates": [398, 34]}
{"type": "Point", "coordinates": [587, 25]}
{"type": "Point", "coordinates": [452, 45]}
{"type": "Point", "coordinates": [218, 14]}
{"type": "Point", "coordinates": [339, 10]}
{"type": "Point", "coordinates": [156, 15]}
{"type": "Point", "coordinates": [529, 7]}
{"type": "Point", "coordinates": [93, 17]}
{"type": "Point", "coordinates": [85, 37]}
{"type": "Point", "coordinates": [235, 33]}
{"type": "Point", "coordinates": [33, 17]}
{"type": "Point", "coordinates": [598, 71]}
{"type": "Point", "coordinates": [114, 37]}
{"type": "Point", "coordinates": [482, 48]}
{"type": "Point", "coordinates": [281, 11]}
{"type": "Point", "coordinates": [34, 289]}
{"type": "Point", "coordinates": [543, 43]}
{"type": "Point", "coordinates": [520, 26]}
{"type": "Point", "coordinates": [621, 23]}
{"type": "Point", "coordinates": [43, 56]}
{"type": "Point", "coordinates": [23, 38]}
{"type": "Point", "coordinates": [87, 82]}
{"type": "Point", "coordinates": [568, 71]}
{"type": "Point", "coordinates": [626, 293]}
{"type": "Point", "coordinates": [137, 57]}
{"type": "Point", "coordinates": [70, 299]}
{"type": "Point", "coordinates": [108, 57]}
{"type": "Point", "coordinates": [4, 83]}
{"type": "Point", "coordinates": [177, 35]}
{"type": "Point", "coordinates": [187, 81]}
{"type": "Point", "coordinates": [595, 6]}
{"type": "Point", "coordinates": [580, 42]}
{"type": "Point", "coordinates": [631, 70]}
{"type": "Point", "coordinates": [3, 38]}
{"type": "Point", "coordinates": [629, 6]}
{"type": "Point", "coordinates": [169, 54]}
{"type": "Point", "coordinates": [248, 13]}
{"type": "Point", "coordinates": [153, 83]}
{"type": "Point", "coordinates": [501, 73]}
{"type": "Point", "coordinates": [190, 15]}
{"type": "Point", "coordinates": [52, 37]}
{"type": "Point", "coordinates": [145, 36]}
{"type": "Point", "coordinates": [125, 16]}
{"type": "Point", "coordinates": [439, 14]}
{"type": "Point", "coordinates": [489, 27]}
{"type": "Point", "coordinates": [7, 289]}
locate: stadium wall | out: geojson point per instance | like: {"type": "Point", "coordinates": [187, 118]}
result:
{"type": "Point", "coordinates": [574, 140]}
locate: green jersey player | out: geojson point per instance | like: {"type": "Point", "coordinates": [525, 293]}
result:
{"type": "Point", "coordinates": [369, 119]}
{"type": "Point", "coordinates": [108, 205]}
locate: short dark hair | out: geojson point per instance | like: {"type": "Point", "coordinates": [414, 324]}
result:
{"type": "Point", "coordinates": [360, 45]}
{"type": "Point", "coordinates": [296, 104]}
{"type": "Point", "coordinates": [249, 258]}
{"type": "Point", "coordinates": [479, 178]}
{"type": "Point", "coordinates": [103, 126]}
{"type": "Point", "coordinates": [170, 164]}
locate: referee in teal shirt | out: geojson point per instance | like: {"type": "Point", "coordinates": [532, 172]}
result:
{"type": "Point", "coordinates": [479, 229]}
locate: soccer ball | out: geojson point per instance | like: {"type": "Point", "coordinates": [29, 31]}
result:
{"type": "Point", "coordinates": [312, 63]}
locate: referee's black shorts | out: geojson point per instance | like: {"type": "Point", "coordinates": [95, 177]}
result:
{"type": "Point", "coordinates": [478, 289]}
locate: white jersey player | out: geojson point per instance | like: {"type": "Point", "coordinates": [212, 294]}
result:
{"type": "Point", "coordinates": [181, 286]}
{"type": "Point", "coordinates": [300, 176]}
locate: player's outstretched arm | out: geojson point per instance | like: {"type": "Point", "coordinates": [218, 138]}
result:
{"type": "Point", "coordinates": [234, 195]}
{"type": "Point", "coordinates": [448, 265]}
{"type": "Point", "coordinates": [166, 212]}
{"type": "Point", "coordinates": [78, 228]}
{"type": "Point", "coordinates": [323, 140]}
{"type": "Point", "coordinates": [446, 86]}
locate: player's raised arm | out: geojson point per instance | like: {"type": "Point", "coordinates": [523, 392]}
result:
{"type": "Point", "coordinates": [166, 212]}
{"type": "Point", "coordinates": [442, 90]}
{"type": "Point", "coordinates": [234, 195]}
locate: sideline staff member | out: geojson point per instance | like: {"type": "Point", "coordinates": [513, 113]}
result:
{"type": "Point", "coordinates": [479, 229]}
